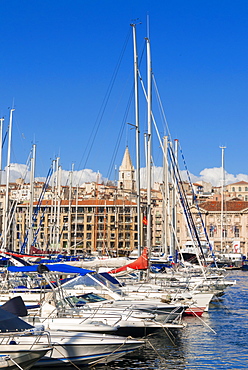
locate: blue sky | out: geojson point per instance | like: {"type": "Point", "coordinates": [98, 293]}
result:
{"type": "Point", "coordinates": [59, 59]}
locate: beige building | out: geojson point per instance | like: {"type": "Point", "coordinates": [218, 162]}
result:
{"type": "Point", "coordinates": [224, 235]}
{"type": "Point", "coordinates": [85, 226]}
{"type": "Point", "coordinates": [238, 189]}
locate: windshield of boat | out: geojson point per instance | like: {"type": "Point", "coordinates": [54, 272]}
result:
{"type": "Point", "coordinates": [93, 280]}
{"type": "Point", "coordinates": [91, 297]}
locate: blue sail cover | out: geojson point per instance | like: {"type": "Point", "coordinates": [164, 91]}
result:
{"type": "Point", "coordinates": [56, 267]}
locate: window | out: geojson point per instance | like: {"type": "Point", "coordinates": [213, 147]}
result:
{"type": "Point", "coordinates": [224, 233]}
{"type": "Point", "coordinates": [89, 227]}
{"type": "Point", "coordinates": [89, 218]}
{"type": "Point", "coordinates": [236, 232]}
{"type": "Point", "coordinates": [240, 188]}
{"type": "Point", "coordinates": [246, 188]}
{"type": "Point", "coordinates": [233, 189]}
{"type": "Point", "coordinates": [128, 236]}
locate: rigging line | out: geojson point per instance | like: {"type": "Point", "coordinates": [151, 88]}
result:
{"type": "Point", "coordinates": [117, 146]}
{"type": "Point", "coordinates": [198, 208]}
{"type": "Point", "coordinates": [185, 203]}
{"type": "Point", "coordinates": [183, 200]}
{"type": "Point", "coordinates": [104, 103]}
{"type": "Point", "coordinates": [123, 125]}
{"type": "Point", "coordinates": [161, 107]}
{"type": "Point", "coordinates": [36, 211]}
{"type": "Point", "coordinates": [5, 137]}
{"type": "Point", "coordinates": [12, 209]}
{"type": "Point", "coordinates": [182, 191]}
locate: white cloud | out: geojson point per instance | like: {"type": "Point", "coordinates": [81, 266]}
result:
{"type": "Point", "coordinates": [212, 175]}
{"type": "Point", "coordinates": [21, 171]}
{"type": "Point", "coordinates": [17, 171]}
{"type": "Point", "coordinates": [79, 177]}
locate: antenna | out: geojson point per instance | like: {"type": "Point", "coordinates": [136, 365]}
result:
{"type": "Point", "coordinates": [148, 26]}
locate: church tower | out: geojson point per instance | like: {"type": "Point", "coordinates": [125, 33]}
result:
{"type": "Point", "coordinates": [127, 173]}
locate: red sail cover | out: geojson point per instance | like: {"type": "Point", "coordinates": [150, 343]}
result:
{"type": "Point", "coordinates": [140, 264]}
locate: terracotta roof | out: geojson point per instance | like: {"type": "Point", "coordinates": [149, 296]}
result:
{"type": "Point", "coordinates": [231, 206]}
{"type": "Point", "coordinates": [239, 183]}
{"type": "Point", "coordinates": [91, 202]}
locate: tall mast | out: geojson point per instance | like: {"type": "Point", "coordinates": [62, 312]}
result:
{"type": "Point", "coordinates": [149, 153]}
{"type": "Point", "coordinates": [136, 97]}
{"type": "Point", "coordinates": [7, 182]}
{"type": "Point", "coordinates": [222, 196]}
{"type": "Point", "coordinates": [58, 204]}
{"type": "Point", "coordinates": [174, 205]}
{"type": "Point", "coordinates": [1, 148]}
{"type": "Point", "coordinates": [53, 205]}
{"type": "Point", "coordinates": [31, 197]}
{"type": "Point", "coordinates": [165, 198]}
{"type": "Point", "coordinates": [75, 223]}
{"type": "Point", "coordinates": [70, 212]}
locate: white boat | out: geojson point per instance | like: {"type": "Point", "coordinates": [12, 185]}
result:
{"type": "Point", "coordinates": [65, 347]}
{"type": "Point", "coordinates": [19, 355]}
{"type": "Point", "coordinates": [14, 352]}
{"type": "Point", "coordinates": [84, 348]}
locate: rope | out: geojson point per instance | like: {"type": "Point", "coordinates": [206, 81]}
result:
{"type": "Point", "coordinates": [202, 321]}
{"type": "Point", "coordinates": [14, 362]}
{"type": "Point", "coordinates": [57, 344]}
{"type": "Point", "coordinates": [110, 354]}
{"type": "Point", "coordinates": [160, 357]}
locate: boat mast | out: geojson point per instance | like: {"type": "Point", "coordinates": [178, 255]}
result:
{"type": "Point", "coordinates": [165, 199]}
{"type": "Point", "coordinates": [174, 206]}
{"type": "Point", "coordinates": [75, 223]}
{"type": "Point", "coordinates": [53, 202]}
{"type": "Point", "coordinates": [58, 206]}
{"type": "Point", "coordinates": [136, 97]}
{"type": "Point", "coordinates": [149, 154]}
{"type": "Point", "coordinates": [70, 210]}
{"type": "Point", "coordinates": [1, 148]}
{"type": "Point", "coordinates": [31, 197]}
{"type": "Point", "coordinates": [5, 231]}
{"type": "Point", "coordinates": [222, 197]}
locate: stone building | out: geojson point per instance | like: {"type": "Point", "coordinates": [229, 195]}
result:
{"type": "Point", "coordinates": [127, 173]}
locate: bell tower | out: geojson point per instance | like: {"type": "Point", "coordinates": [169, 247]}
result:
{"type": "Point", "coordinates": [127, 173]}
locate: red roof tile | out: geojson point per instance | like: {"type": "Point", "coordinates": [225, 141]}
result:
{"type": "Point", "coordinates": [92, 202]}
{"type": "Point", "coordinates": [239, 183]}
{"type": "Point", "coordinates": [229, 206]}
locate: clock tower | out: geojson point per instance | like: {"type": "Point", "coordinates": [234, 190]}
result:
{"type": "Point", "coordinates": [127, 173]}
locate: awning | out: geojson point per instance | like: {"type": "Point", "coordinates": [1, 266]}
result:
{"type": "Point", "coordinates": [56, 267]}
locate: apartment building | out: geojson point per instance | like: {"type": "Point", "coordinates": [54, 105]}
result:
{"type": "Point", "coordinates": [83, 226]}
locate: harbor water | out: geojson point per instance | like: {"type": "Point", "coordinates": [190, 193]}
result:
{"type": "Point", "coordinates": [220, 342]}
